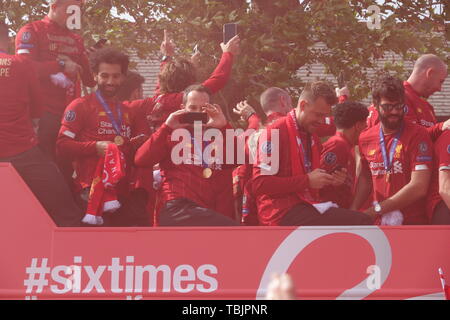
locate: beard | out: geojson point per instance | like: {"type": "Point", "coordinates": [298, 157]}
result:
{"type": "Point", "coordinates": [392, 122]}
{"type": "Point", "coordinates": [108, 91]}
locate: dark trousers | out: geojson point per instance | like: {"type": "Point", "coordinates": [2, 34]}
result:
{"type": "Point", "coordinates": [49, 126]}
{"type": "Point", "coordinates": [46, 182]}
{"type": "Point", "coordinates": [132, 213]}
{"type": "Point", "coordinates": [441, 214]}
{"type": "Point", "coordinates": [184, 212]}
{"type": "Point", "coordinates": [306, 215]}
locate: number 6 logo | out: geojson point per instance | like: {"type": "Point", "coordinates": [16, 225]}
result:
{"type": "Point", "coordinates": [301, 237]}
{"type": "Point", "coordinates": [74, 20]}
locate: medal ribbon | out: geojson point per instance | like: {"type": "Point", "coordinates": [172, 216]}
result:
{"type": "Point", "coordinates": [117, 124]}
{"type": "Point", "coordinates": [197, 150]}
{"type": "Point", "coordinates": [389, 162]}
{"type": "Point", "coordinates": [305, 152]}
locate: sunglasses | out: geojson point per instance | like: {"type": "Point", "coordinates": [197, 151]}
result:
{"type": "Point", "coordinates": [389, 107]}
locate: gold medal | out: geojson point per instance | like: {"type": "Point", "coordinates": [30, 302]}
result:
{"type": "Point", "coordinates": [207, 173]}
{"type": "Point", "coordinates": [387, 177]}
{"type": "Point", "coordinates": [119, 140]}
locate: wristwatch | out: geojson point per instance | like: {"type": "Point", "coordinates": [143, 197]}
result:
{"type": "Point", "coordinates": [377, 207]}
{"type": "Point", "coordinates": [62, 64]}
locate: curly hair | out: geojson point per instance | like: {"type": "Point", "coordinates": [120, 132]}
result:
{"type": "Point", "coordinates": [388, 87]}
{"type": "Point", "coordinates": [348, 113]}
{"type": "Point", "coordinates": [176, 75]}
{"type": "Point", "coordinates": [110, 56]}
{"type": "Point", "coordinates": [319, 89]}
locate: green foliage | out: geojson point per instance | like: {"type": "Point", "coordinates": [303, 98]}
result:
{"type": "Point", "coordinates": [277, 37]}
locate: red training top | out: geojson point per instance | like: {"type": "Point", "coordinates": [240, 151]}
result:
{"type": "Point", "coordinates": [412, 153]}
{"type": "Point", "coordinates": [20, 101]}
{"type": "Point", "coordinates": [85, 122]}
{"type": "Point", "coordinates": [338, 153]}
{"type": "Point", "coordinates": [276, 194]}
{"type": "Point", "coordinates": [43, 41]}
{"type": "Point", "coordinates": [441, 162]}
{"type": "Point", "coordinates": [186, 179]}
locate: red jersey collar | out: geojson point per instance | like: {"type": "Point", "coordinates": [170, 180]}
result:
{"type": "Point", "coordinates": [409, 87]}
{"type": "Point", "coordinates": [341, 135]}
{"type": "Point", "coordinates": [274, 116]}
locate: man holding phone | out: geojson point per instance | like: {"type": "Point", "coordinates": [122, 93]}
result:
{"type": "Point", "coordinates": [338, 153]}
{"type": "Point", "coordinates": [194, 193]}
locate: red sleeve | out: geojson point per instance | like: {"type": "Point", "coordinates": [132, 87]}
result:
{"type": "Point", "coordinates": [27, 45]}
{"type": "Point", "coordinates": [36, 97]}
{"type": "Point", "coordinates": [443, 152]}
{"type": "Point", "coordinates": [273, 184]}
{"type": "Point", "coordinates": [138, 112]}
{"type": "Point", "coordinates": [435, 131]}
{"type": "Point", "coordinates": [155, 149]}
{"type": "Point", "coordinates": [333, 156]}
{"type": "Point", "coordinates": [221, 74]}
{"type": "Point", "coordinates": [254, 122]}
{"type": "Point", "coordinates": [420, 150]}
{"type": "Point", "coordinates": [71, 126]}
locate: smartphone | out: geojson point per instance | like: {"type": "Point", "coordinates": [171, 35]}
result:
{"type": "Point", "coordinates": [191, 117]}
{"type": "Point", "coordinates": [229, 31]}
{"type": "Point", "coordinates": [100, 43]}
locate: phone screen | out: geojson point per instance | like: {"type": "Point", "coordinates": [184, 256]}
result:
{"type": "Point", "coordinates": [229, 31]}
{"type": "Point", "coordinates": [191, 117]}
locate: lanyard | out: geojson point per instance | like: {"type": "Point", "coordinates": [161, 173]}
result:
{"type": "Point", "coordinates": [305, 152]}
{"type": "Point", "coordinates": [200, 153]}
{"type": "Point", "coordinates": [388, 162]}
{"type": "Point", "coordinates": [116, 124]}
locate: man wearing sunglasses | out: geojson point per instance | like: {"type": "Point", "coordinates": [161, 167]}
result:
{"type": "Point", "coordinates": [427, 77]}
{"type": "Point", "coordinates": [396, 160]}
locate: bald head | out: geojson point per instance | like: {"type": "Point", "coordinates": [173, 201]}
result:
{"type": "Point", "coordinates": [275, 100]}
{"type": "Point", "coordinates": [428, 75]}
{"type": "Point", "coordinates": [428, 61]}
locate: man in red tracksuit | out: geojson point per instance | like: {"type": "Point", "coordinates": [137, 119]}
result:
{"type": "Point", "coordinates": [396, 160]}
{"type": "Point", "coordinates": [287, 187]}
{"type": "Point", "coordinates": [93, 122]}
{"type": "Point", "coordinates": [20, 102]}
{"type": "Point", "coordinates": [427, 77]}
{"type": "Point", "coordinates": [275, 103]}
{"type": "Point", "coordinates": [195, 191]}
{"type": "Point", "coordinates": [61, 61]}
{"type": "Point", "coordinates": [338, 151]}
{"type": "Point", "coordinates": [438, 201]}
